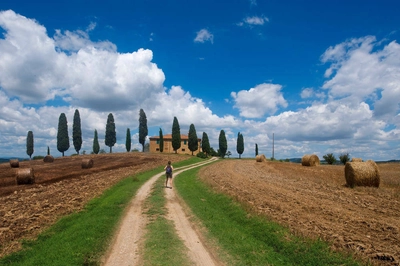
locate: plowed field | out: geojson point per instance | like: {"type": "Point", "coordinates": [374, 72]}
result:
{"type": "Point", "coordinates": [60, 188]}
{"type": "Point", "coordinates": [314, 202]}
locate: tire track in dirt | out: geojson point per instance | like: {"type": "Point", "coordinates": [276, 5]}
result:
{"type": "Point", "coordinates": [198, 252]}
{"type": "Point", "coordinates": [125, 249]}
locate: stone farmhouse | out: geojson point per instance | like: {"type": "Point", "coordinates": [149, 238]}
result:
{"type": "Point", "coordinates": [184, 149]}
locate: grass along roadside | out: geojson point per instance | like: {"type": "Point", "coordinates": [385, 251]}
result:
{"type": "Point", "coordinates": [247, 238]}
{"type": "Point", "coordinates": [82, 238]}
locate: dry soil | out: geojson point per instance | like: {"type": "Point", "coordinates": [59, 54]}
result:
{"type": "Point", "coordinates": [314, 202]}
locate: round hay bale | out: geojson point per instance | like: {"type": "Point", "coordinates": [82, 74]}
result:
{"type": "Point", "coordinates": [25, 176]}
{"type": "Point", "coordinates": [356, 160]}
{"type": "Point", "coordinates": [14, 163]}
{"type": "Point", "coordinates": [48, 159]}
{"type": "Point", "coordinates": [362, 174]}
{"type": "Point", "coordinates": [310, 160]}
{"type": "Point", "coordinates": [87, 163]}
{"type": "Point", "coordinates": [261, 158]}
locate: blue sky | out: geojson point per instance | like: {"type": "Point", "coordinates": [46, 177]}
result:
{"type": "Point", "coordinates": [324, 77]}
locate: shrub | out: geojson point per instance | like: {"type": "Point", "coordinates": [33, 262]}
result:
{"type": "Point", "coordinates": [213, 152]}
{"type": "Point", "coordinates": [329, 158]}
{"type": "Point", "coordinates": [38, 157]}
{"type": "Point", "coordinates": [344, 158]}
{"type": "Point", "coordinates": [202, 155]}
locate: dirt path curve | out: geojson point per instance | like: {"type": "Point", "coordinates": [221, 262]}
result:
{"type": "Point", "coordinates": [125, 249]}
{"type": "Point", "coordinates": [198, 253]}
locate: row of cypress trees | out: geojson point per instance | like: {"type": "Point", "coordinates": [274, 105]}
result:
{"type": "Point", "coordinates": [205, 144]}
{"type": "Point", "coordinates": [110, 137]}
{"type": "Point", "coordinates": [110, 134]}
{"type": "Point", "coordinates": [193, 144]}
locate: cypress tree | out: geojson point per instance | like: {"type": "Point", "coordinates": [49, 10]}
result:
{"type": "Point", "coordinates": [161, 141]}
{"type": "Point", "coordinates": [48, 150]}
{"type": "Point", "coordinates": [111, 136]}
{"type": "Point", "coordinates": [29, 144]}
{"type": "Point", "coordinates": [240, 144]}
{"type": "Point", "coordinates": [96, 145]}
{"type": "Point", "coordinates": [205, 144]}
{"type": "Point", "coordinates": [143, 131]}
{"type": "Point", "coordinates": [77, 132]}
{"type": "Point", "coordinates": [128, 140]}
{"type": "Point", "coordinates": [223, 145]}
{"type": "Point", "coordinates": [62, 134]}
{"type": "Point", "coordinates": [193, 143]}
{"type": "Point", "coordinates": [176, 135]}
{"type": "Point", "coordinates": [256, 149]}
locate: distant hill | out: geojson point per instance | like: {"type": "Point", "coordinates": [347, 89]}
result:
{"type": "Point", "coordinates": [295, 160]}
{"type": "Point", "coordinates": [6, 160]}
{"type": "Point", "coordinates": [298, 160]}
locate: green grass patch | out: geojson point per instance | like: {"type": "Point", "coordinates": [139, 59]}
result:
{"type": "Point", "coordinates": [81, 238]}
{"type": "Point", "coordinates": [162, 245]}
{"type": "Point", "coordinates": [251, 239]}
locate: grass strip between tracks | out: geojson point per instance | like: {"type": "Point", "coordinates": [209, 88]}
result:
{"type": "Point", "coordinates": [162, 245]}
{"type": "Point", "coordinates": [81, 238]}
{"type": "Point", "coordinates": [250, 239]}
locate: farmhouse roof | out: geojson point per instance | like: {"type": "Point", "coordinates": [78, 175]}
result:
{"type": "Point", "coordinates": [169, 137]}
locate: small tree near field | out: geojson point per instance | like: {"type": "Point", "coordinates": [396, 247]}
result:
{"type": "Point", "coordinates": [143, 130]}
{"type": "Point", "coordinates": [176, 135]}
{"type": "Point", "coordinates": [213, 152]}
{"type": "Point", "coordinates": [62, 134]}
{"type": "Point", "coordinates": [344, 158]}
{"type": "Point", "coordinates": [240, 144]}
{"type": "Point", "coordinates": [205, 144]}
{"type": "Point", "coordinates": [29, 144]}
{"type": "Point", "coordinates": [96, 145]}
{"type": "Point", "coordinates": [128, 141]}
{"type": "Point", "coordinates": [223, 144]}
{"type": "Point", "coordinates": [77, 132]}
{"type": "Point", "coordinates": [256, 149]}
{"type": "Point", "coordinates": [111, 135]}
{"type": "Point", "coordinates": [329, 158]}
{"type": "Point", "coordinates": [161, 141]}
{"type": "Point", "coordinates": [193, 142]}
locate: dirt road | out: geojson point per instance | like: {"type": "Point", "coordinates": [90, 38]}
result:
{"type": "Point", "coordinates": [127, 243]}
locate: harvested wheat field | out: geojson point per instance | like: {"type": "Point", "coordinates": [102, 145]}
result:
{"type": "Point", "coordinates": [311, 201]}
{"type": "Point", "coordinates": [60, 188]}
{"type": "Point", "coordinates": [314, 202]}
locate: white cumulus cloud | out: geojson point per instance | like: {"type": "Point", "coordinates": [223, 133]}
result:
{"type": "Point", "coordinates": [204, 35]}
{"type": "Point", "coordinates": [35, 67]}
{"type": "Point", "coordinates": [365, 70]}
{"type": "Point", "coordinates": [262, 99]}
